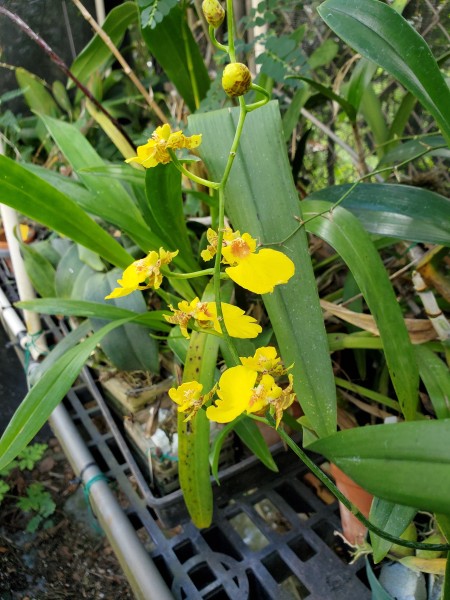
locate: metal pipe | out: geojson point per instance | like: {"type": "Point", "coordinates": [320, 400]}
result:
{"type": "Point", "coordinates": [144, 578]}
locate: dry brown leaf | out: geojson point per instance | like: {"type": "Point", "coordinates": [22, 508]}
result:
{"type": "Point", "coordinates": [420, 330]}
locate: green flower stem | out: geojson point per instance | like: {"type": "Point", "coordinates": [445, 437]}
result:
{"type": "Point", "coordinates": [230, 25]}
{"type": "Point", "coordinates": [328, 483]}
{"type": "Point", "coordinates": [220, 230]}
{"type": "Point", "coordinates": [218, 45]}
{"type": "Point", "coordinates": [206, 182]}
{"type": "Point", "coordinates": [255, 105]}
{"type": "Point", "coordinates": [192, 275]}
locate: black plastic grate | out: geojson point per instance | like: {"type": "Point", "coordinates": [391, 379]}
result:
{"type": "Point", "coordinates": [273, 541]}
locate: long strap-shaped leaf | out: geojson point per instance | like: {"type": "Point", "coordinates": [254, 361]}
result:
{"type": "Point", "coordinates": [37, 199]}
{"type": "Point", "coordinates": [346, 235]}
{"type": "Point", "coordinates": [193, 436]}
{"type": "Point", "coordinates": [111, 201]}
{"type": "Point", "coordinates": [261, 198]}
{"type": "Point", "coordinates": [408, 463]}
{"type": "Point", "coordinates": [382, 35]}
{"type": "Point", "coordinates": [48, 392]}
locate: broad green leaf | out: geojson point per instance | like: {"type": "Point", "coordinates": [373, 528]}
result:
{"type": "Point", "coordinates": [382, 35]}
{"type": "Point", "coordinates": [40, 270]}
{"type": "Point", "coordinates": [35, 198]}
{"type": "Point", "coordinates": [47, 393]}
{"type": "Point", "coordinates": [436, 377]}
{"type": "Point", "coordinates": [165, 204]}
{"type": "Point", "coordinates": [129, 348]}
{"type": "Point", "coordinates": [96, 54]}
{"type": "Point", "coordinates": [92, 259]}
{"type": "Point", "coordinates": [167, 42]}
{"type": "Point", "coordinates": [111, 198]}
{"type": "Point", "coordinates": [71, 275]}
{"type": "Point", "coordinates": [81, 308]}
{"type": "Point", "coordinates": [261, 181]}
{"type": "Point", "coordinates": [400, 211]}
{"type": "Point", "coordinates": [391, 518]}
{"type": "Point", "coordinates": [394, 461]}
{"type": "Point", "coordinates": [38, 98]}
{"type": "Point", "coordinates": [345, 234]}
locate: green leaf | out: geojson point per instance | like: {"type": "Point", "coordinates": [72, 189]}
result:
{"type": "Point", "coordinates": [378, 591]}
{"type": "Point", "coordinates": [391, 518]}
{"type": "Point", "coordinates": [165, 204]}
{"type": "Point", "coordinates": [345, 234]}
{"type": "Point", "coordinates": [375, 117]}
{"type": "Point", "coordinates": [110, 197]}
{"type": "Point", "coordinates": [400, 211]}
{"type": "Point", "coordinates": [328, 93]}
{"type": "Point", "coordinates": [80, 308]}
{"type": "Point", "coordinates": [291, 116]}
{"type": "Point", "coordinates": [167, 42]}
{"type": "Point", "coordinates": [409, 150]}
{"type": "Point", "coordinates": [393, 461]}
{"type": "Point", "coordinates": [91, 259]}
{"type": "Point", "coordinates": [359, 81]}
{"type": "Point", "coordinates": [35, 198]}
{"type": "Point", "coordinates": [154, 11]}
{"type": "Point", "coordinates": [382, 35]}
{"type": "Point", "coordinates": [193, 436]}
{"type": "Point", "coordinates": [66, 343]}
{"type": "Point", "coordinates": [436, 377]}
{"type": "Point", "coordinates": [252, 437]}
{"type": "Point", "coordinates": [71, 275]}
{"type": "Point", "coordinates": [129, 348]}
{"type": "Point", "coordinates": [260, 180]}
{"type": "Point", "coordinates": [36, 94]}
{"type": "Point", "coordinates": [324, 54]}
{"type": "Point", "coordinates": [96, 54]}
{"type": "Point", "coordinates": [214, 455]}
{"type": "Point", "coordinates": [40, 270]}
{"type": "Point", "coordinates": [47, 393]}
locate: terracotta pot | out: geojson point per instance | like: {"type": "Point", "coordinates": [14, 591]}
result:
{"type": "Point", "coordinates": [353, 530]}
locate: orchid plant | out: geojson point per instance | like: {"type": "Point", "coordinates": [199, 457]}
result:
{"type": "Point", "coordinates": [266, 252]}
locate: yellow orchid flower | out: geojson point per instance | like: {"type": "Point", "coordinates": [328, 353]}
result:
{"type": "Point", "coordinates": [238, 324]}
{"type": "Point", "coordinates": [235, 392]}
{"type": "Point", "coordinates": [188, 397]}
{"type": "Point", "coordinates": [265, 360]}
{"type": "Point", "coordinates": [259, 271]}
{"type": "Point", "coordinates": [143, 273]}
{"type": "Point", "coordinates": [239, 391]}
{"type": "Point", "coordinates": [154, 152]}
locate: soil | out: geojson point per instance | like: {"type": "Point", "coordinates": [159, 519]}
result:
{"type": "Point", "coordinates": [68, 556]}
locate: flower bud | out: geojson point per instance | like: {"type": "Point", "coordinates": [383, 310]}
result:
{"type": "Point", "coordinates": [236, 79]}
{"type": "Point", "coordinates": [214, 13]}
